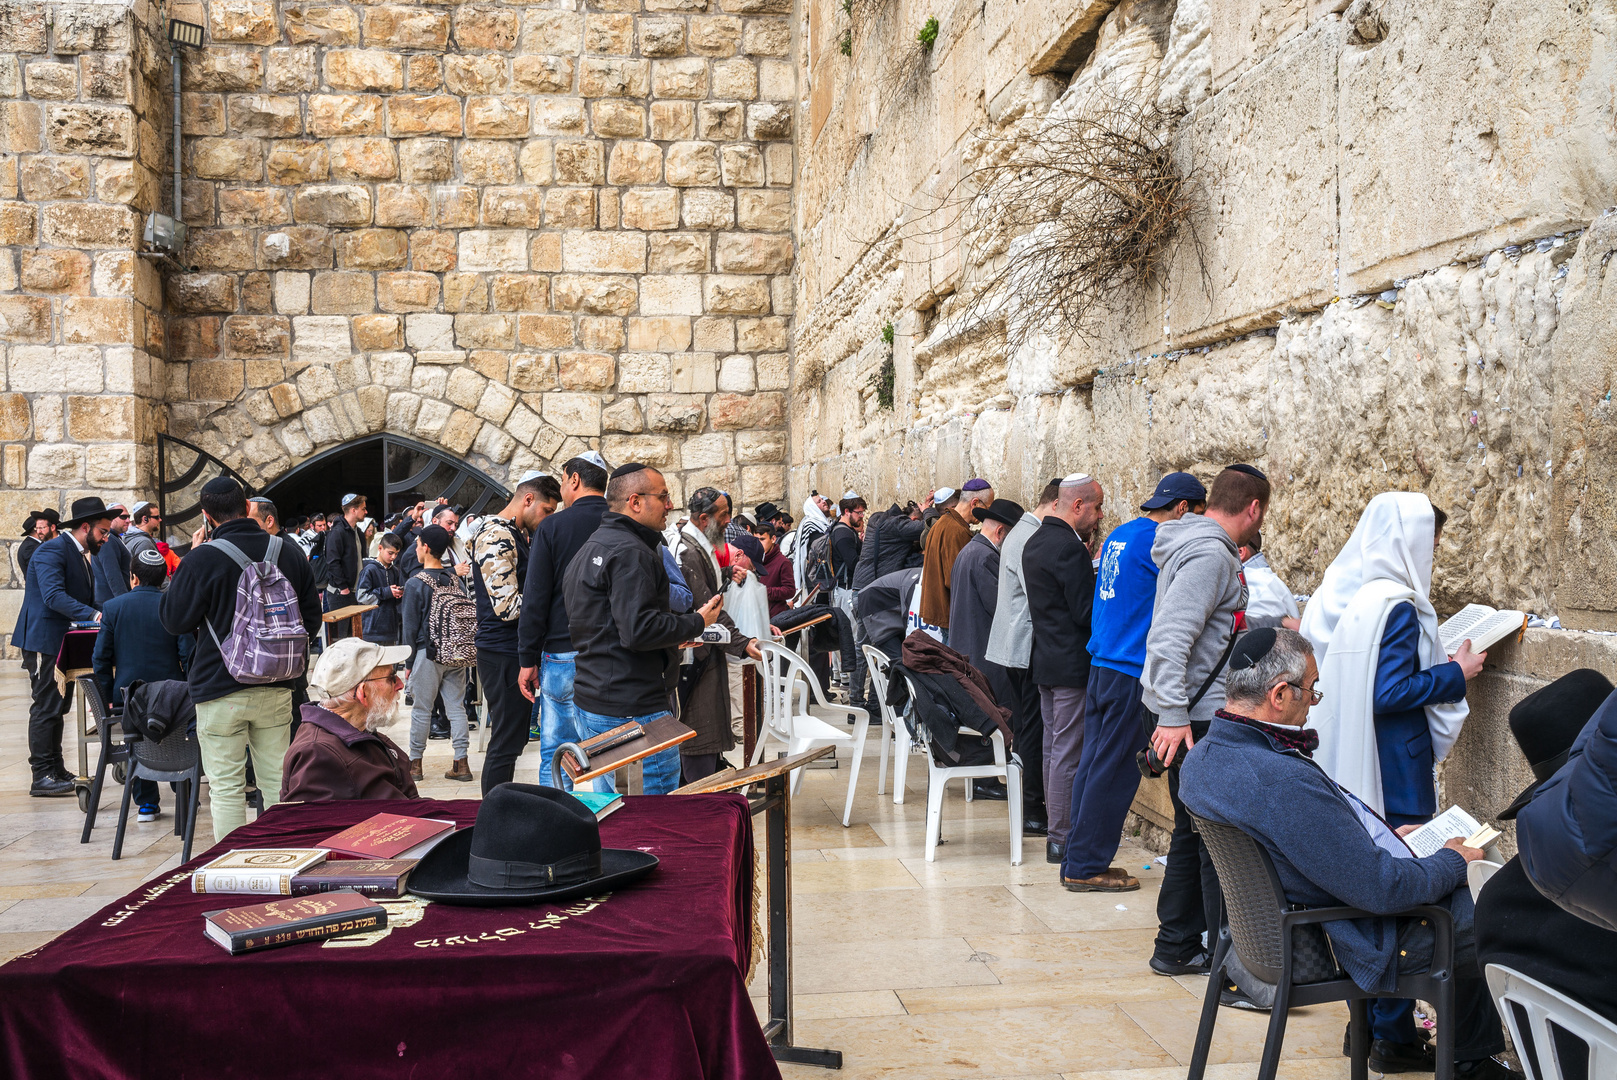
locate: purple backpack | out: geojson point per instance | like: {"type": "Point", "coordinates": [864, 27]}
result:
{"type": "Point", "coordinates": [267, 641]}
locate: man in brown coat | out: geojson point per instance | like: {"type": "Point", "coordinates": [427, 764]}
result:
{"type": "Point", "coordinates": [944, 542]}
{"type": "Point", "coordinates": [705, 702]}
{"type": "Point", "coordinates": [338, 752]}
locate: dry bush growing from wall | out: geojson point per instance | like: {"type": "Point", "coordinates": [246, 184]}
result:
{"type": "Point", "coordinates": [1068, 223]}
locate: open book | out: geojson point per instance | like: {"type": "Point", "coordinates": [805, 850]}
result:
{"type": "Point", "coordinates": [1482, 625]}
{"type": "Point", "coordinates": [1451, 823]}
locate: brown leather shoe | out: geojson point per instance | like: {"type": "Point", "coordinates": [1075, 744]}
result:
{"type": "Point", "coordinates": [415, 769]}
{"type": "Point", "coordinates": [460, 770]}
{"type": "Point", "coordinates": [1105, 882]}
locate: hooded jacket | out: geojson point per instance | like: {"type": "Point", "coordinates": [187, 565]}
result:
{"type": "Point", "coordinates": [892, 542]}
{"type": "Point", "coordinates": [542, 626]}
{"type": "Point", "coordinates": [1200, 603]}
{"type": "Point", "coordinates": [616, 592]}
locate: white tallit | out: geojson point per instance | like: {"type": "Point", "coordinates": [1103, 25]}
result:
{"type": "Point", "coordinates": [1387, 561]}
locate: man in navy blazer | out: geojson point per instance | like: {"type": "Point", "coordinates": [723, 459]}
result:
{"type": "Point", "coordinates": [111, 567]}
{"type": "Point", "coordinates": [60, 591]}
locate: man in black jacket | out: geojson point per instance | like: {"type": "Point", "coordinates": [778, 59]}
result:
{"type": "Point", "coordinates": [616, 592]}
{"type": "Point", "coordinates": [234, 718]}
{"type": "Point", "coordinates": [1061, 592]}
{"type": "Point", "coordinates": [544, 642]}
{"type": "Point", "coordinates": [892, 542]}
{"type": "Point", "coordinates": [341, 563]}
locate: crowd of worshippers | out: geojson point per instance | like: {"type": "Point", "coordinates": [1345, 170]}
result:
{"type": "Point", "coordinates": [1168, 646]}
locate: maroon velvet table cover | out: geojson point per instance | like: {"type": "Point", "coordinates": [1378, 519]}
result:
{"type": "Point", "coordinates": [646, 983]}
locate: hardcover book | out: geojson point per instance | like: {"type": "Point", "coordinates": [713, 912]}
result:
{"type": "Point", "coordinates": [601, 803]}
{"type": "Point", "coordinates": [255, 870]}
{"type": "Point", "coordinates": [287, 922]}
{"type": "Point", "coordinates": [390, 836]}
{"type": "Point", "coordinates": [371, 877]}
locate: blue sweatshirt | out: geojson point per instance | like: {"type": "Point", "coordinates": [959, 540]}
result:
{"type": "Point", "coordinates": [1125, 589]}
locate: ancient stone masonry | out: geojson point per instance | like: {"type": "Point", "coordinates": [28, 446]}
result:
{"type": "Point", "coordinates": [511, 230]}
{"type": "Point", "coordinates": [1397, 279]}
{"type": "Point", "coordinates": [81, 161]}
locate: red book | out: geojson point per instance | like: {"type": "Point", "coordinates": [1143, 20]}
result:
{"type": "Point", "coordinates": [389, 836]}
{"type": "Point", "coordinates": [286, 922]}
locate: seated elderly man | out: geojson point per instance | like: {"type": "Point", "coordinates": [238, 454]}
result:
{"type": "Point", "coordinates": [1254, 770]}
{"type": "Point", "coordinates": [339, 751]}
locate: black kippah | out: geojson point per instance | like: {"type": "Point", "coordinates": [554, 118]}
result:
{"type": "Point", "coordinates": [1250, 470]}
{"type": "Point", "coordinates": [1251, 648]}
{"type": "Point", "coordinates": [625, 470]}
{"type": "Point", "coordinates": [220, 485]}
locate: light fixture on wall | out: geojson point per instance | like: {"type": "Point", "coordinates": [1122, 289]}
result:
{"type": "Point", "coordinates": [165, 233]}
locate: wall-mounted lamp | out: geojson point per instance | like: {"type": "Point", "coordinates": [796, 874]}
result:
{"type": "Point", "coordinates": [166, 233]}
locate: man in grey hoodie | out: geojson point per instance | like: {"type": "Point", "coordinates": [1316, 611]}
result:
{"type": "Point", "coordinates": [1200, 608]}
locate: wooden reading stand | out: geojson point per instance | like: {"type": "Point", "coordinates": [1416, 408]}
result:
{"type": "Point", "coordinates": [352, 611]}
{"type": "Point", "coordinates": [575, 759]}
{"type": "Point", "coordinates": [775, 804]}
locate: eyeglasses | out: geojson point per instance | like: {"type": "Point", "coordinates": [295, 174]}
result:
{"type": "Point", "coordinates": [1314, 695]}
{"type": "Point", "coordinates": [663, 495]}
{"type": "Point", "coordinates": [390, 677]}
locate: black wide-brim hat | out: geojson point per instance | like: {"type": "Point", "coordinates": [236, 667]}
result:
{"type": "Point", "coordinates": [531, 845]}
{"type": "Point", "coordinates": [1548, 721]}
{"type": "Point", "coordinates": [89, 509]}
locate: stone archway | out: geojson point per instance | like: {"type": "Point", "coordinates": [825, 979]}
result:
{"type": "Point", "coordinates": [391, 471]}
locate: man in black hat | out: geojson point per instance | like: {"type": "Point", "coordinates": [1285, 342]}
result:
{"type": "Point", "coordinates": [616, 591]}
{"type": "Point", "coordinates": [37, 528]}
{"type": "Point", "coordinates": [233, 718]}
{"type": "Point", "coordinates": [973, 595]}
{"type": "Point", "coordinates": [60, 591]}
{"type": "Point", "coordinates": [111, 567]}
{"type": "Point", "coordinates": [1550, 912]}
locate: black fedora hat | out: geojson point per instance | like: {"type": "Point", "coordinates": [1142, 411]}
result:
{"type": "Point", "coordinates": [89, 509]}
{"type": "Point", "coordinates": [1546, 723]}
{"type": "Point", "coordinates": [1001, 510]}
{"type": "Point", "coordinates": [531, 844]}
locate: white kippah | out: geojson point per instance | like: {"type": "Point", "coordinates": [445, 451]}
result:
{"type": "Point", "coordinates": [595, 459]}
{"type": "Point", "coordinates": [943, 494]}
{"type": "Point", "coordinates": [1076, 479]}
{"type": "Point", "coordinates": [850, 494]}
{"type": "Point", "coordinates": [532, 474]}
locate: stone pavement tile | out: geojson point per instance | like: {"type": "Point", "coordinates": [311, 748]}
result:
{"type": "Point", "coordinates": [955, 867]}
{"type": "Point", "coordinates": [887, 914]}
{"type": "Point", "coordinates": [834, 836]}
{"type": "Point", "coordinates": [1064, 958]}
{"type": "Point", "coordinates": [48, 916]}
{"type": "Point", "coordinates": [1314, 1032]}
{"type": "Point", "coordinates": [884, 965]}
{"type": "Point", "coordinates": [1012, 1042]}
{"type": "Point", "coordinates": [840, 877]}
{"type": "Point", "coordinates": [1063, 910]}
{"type": "Point", "coordinates": [1290, 1069]}
{"type": "Point", "coordinates": [14, 945]}
{"type": "Point", "coordinates": [35, 892]}
{"type": "Point", "coordinates": [1097, 991]}
{"type": "Point", "coordinates": [851, 1004]}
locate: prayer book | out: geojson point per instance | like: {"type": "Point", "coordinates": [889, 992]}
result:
{"type": "Point", "coordinates": [390, 836]}
{"type": "Point", "coordinates": [383, 878]}
{"type": "Point", "coordinates": [287, 922]}
{"type": "Point", "coordinates": [601, 803]}
{"type": "Point", "coordinates": [255, 870]}
{"type": "Point", "coordinates": [1482, 625]}
{"type": "Point", "coordinates": [1451, 823]}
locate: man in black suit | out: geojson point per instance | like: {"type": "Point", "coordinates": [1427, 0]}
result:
{"type": "Point", "coordinates": [1061, 595]}
{"type": "Point", "coordinates": [111, 568]}
{"type": "Point", "coordinates": [60, 591]}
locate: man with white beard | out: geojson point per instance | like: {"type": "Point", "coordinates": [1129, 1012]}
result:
{"type": "Point", "coordinates": [339, 751]}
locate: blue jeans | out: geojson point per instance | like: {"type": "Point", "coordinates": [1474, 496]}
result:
{"type": "Point", "coordinates": [558, 716]}
{"type": "Point", "coordinates": [661, 770]}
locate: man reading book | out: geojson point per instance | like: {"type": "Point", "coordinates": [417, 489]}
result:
{"type": "Point", "coordinates": [1255, 770]}
{"type": "Point", "coordinates": [1397, 698]}
{"type": "Point", "coordinates": [339, 751]}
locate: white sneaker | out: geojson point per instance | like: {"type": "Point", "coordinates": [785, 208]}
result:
{"type": "Point", "coordinates": [149, 813]}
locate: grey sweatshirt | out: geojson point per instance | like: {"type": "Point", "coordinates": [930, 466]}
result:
{"type": "Point", "coordinates": [1200, 591]}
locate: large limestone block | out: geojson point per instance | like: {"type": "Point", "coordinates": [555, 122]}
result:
{"type": "Point", "coordinates": [1246, 32]}
{"type": "Point", "coordinates": [1034, 36]}
{"type": "Point", "coordinates": [1266, 147]}
{"type": "Point", "coordinates": [1472, 125]}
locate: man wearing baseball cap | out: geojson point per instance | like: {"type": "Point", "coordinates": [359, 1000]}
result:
{"type": "Point", "coordinates": [340, 751]}
{"type": "Point", "coordinates": [1107, 778]}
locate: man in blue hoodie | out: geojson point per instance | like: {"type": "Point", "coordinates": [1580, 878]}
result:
{"type": "Point", "coordinates": [1107, 777]}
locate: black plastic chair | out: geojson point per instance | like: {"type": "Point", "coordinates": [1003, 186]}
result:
{"type": "Point", "coordinates": [177, 760]}
{"type": "Point", "coordinates": [1289, 949]}
{"type": "Point", "coordinates": [112, 753]}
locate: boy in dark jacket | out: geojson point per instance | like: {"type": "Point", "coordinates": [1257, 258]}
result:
{"type": "Point", "coordinates": [381, 584]}
{"type": "Point", "coordinates": [424, 675]}
{"type": "Point", "coordinates": [133, 645]}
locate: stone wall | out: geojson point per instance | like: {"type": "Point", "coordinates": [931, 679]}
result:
{"type": "Point", "coordinates": [1402, 257]}
{"type": "Point", "coordinates": [82, 155]}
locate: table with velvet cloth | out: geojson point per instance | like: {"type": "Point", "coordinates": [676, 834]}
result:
{"type": "Point", "coordinates": [647, 982]}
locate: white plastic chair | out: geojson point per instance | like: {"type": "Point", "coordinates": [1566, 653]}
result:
{"type": "Point", "coordinates": [797, 713]}
{"type": "Point", "coordinates": [1477, 875]}
{"type": "Point", "coordinates": [892, 725]}
{"type": "Point", "coordinates": [1004, 767]}
{"type": "Point", "coordinates": [1523, 999]}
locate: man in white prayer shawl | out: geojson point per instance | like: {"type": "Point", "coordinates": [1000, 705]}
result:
{"type": "Point", "coordinates": [1394, 702]}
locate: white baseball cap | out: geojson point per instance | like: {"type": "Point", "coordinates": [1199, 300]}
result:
{"type": "Point", "coordinates": [349, 662]}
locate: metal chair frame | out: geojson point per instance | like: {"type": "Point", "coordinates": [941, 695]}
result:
{"type": "Point", "coordinates": [1261, 928]}
{"type": "Point", "coordinates": [114, 752]}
